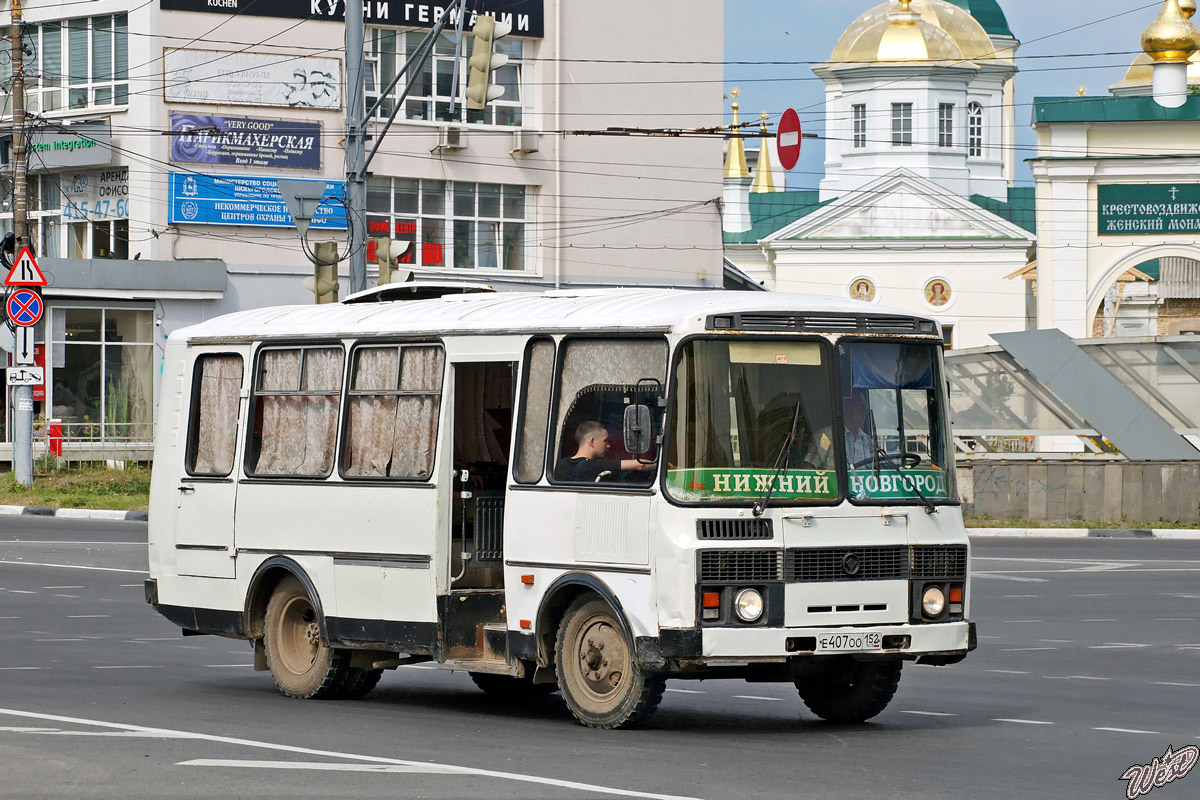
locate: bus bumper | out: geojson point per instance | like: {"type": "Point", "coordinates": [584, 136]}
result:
{"type": "Point", "coordinates": [938, 644]}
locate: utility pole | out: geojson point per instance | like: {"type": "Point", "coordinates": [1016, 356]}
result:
{"type": "Point", "coordinates": [356, 146]}
{"type": "Point", "coordinates": [22, 395]}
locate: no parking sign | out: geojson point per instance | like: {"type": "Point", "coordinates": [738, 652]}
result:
{"type": "Point", "coordinates": [24, 307]}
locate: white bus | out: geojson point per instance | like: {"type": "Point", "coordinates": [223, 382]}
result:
{"type": "Point", "coordinates": [585, 491]}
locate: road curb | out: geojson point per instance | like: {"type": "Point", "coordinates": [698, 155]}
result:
{"type": "Point", "coordinates": [74, 513]}
{"type": "Point", "coordinates": [1085, 533]}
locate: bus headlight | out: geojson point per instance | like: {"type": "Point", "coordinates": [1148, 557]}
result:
{"type": "Point", "coordinates": [748, 605]}
{"type": "Point", "coordinates": [933, 601]}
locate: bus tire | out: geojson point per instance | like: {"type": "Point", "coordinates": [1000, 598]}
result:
{"type": "Point", "coordinates": [302, 666]}
{"type": "Point", "coordinates": [850, 691]}
{"type": "Point", "coordinates": [597, 671]}
{"type": "Point", "coordinates": [506, 687]}
{"type": "Point", "coordinates": [358, 683]}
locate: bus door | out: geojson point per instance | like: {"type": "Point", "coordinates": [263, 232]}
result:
{"type": "Point", "coordinates": [482, 434]}
{"type": "Point", "coordinates": [204, 544]}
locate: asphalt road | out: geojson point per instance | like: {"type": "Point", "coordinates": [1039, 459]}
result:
{"type": "Point", "coordinates": [1089, 663]}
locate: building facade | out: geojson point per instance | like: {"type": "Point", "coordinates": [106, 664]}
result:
{"type": "Point", "coordinates": [158, 131]}
{"type": "Point", "coordinates": [917, 208]}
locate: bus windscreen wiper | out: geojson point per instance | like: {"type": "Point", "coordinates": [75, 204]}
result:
{"type": "Point", "coordinates": [781, 464]}
{"type": "Point", "coordinates": [930, 508]}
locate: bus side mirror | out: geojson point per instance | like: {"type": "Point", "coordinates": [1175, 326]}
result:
{"type": "Point", "coordinates": [639, 433]}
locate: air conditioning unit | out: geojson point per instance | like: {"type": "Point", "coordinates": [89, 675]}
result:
{"type": "Point", "coordinates": [451, 138]}
{"type": "Point", "coordinates": [525, 142]}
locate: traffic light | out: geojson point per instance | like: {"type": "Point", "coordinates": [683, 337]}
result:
{"type": "Point", "coordinates": [484, 61]}
{"type": "Point", "coordinates": [324, 280]}
{"type": "Point", "coordinates": [386, 253]}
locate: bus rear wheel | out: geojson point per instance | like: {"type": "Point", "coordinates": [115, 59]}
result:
{"type": "Point", "coordinates": [849, 691]}
{"type": "Point", "coordinates": [597, 671]}
{"type": "Point", "coordinates": [300, 663]}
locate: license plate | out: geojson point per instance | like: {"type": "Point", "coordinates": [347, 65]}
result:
{"type": "Point", "coordinates": [849, 642]}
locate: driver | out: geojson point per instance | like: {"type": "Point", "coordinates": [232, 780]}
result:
{"type": "Point", "coordinates": [589, 465]}
{"type": "Point", "coordinates": [860, 444]}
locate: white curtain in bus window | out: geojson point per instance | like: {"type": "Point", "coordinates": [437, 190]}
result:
{"type": "Point", "coordinates": [598, 375]}
{"type": "Point", "coordinates": [539, 376]}
{"type": "Point", "coordinates": [392, 412]}
{"type": "Point", "coordinates": [214, 427]}
{"type": "Point", "coordinates": [297, 406]}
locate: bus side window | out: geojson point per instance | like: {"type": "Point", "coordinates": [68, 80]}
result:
{"type": "Point", "coordinates": [392, 412]}
{"type": "Point", "coordinates": [539, 378]}
{"type": "Point", "coordinates": [212, 430]}
{"type": "Point", "coordinates": [599, 378]}
{"type": "Point", "coordinates": [296, 397]}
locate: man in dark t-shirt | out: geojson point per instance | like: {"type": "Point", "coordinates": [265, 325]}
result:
{"type": "Point", "coordinates": [589, 465]}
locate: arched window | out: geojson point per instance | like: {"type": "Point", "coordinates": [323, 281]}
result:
{"type": "Point", "coordinates": [974, 130]}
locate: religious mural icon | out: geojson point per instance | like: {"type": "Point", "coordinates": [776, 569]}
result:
{"type": "Point", "coordinates": [937, 292]}
{"type": "Point", "coordinates": [862, 289]}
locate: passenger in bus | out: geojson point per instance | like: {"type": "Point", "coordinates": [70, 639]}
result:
{"type": "Point", "coordinates": [860, 444]}
{"type": "Point", "coordinates": [589, 465]}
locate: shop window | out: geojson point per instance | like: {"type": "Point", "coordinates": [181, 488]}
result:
{"type": "Point", "coordinates": [103, 372]}
{"type": "Point", "coordinates": [429, 100]}
{"type": "Point", "coordinates": [392, 412]}
{"type": "Point", "coordinates": [212, 434]}
{"type": "Point", "coordinates": [296, 396]}
{"type": "Point", "coordinates": [598, 380]}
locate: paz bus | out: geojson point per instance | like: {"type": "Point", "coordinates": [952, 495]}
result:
{"type": "Point", "coordinates": [767, 494]}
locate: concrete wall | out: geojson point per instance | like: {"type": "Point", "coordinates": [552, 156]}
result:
{"type": "Point", "coordinates": [1134, 492]}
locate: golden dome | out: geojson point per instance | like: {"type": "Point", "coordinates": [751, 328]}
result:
{"type": "Point", "coordinates": [1171, 38]}
{"type": "Point", "coordinates": [735, 153]}
{"type": "Point", "coordinates": [1188, 7]}
{"type": "Point", "coordinates": [947, 32]}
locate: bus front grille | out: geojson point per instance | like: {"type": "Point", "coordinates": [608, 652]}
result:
{"type": "Point", "coordinates": [822, 564]}
{"type": "Point", "coordinates": [939, 561]}
{"type": "Point", "coordinates": [740, 566]}
{"type": "Point", "coordinates": [734, 529]}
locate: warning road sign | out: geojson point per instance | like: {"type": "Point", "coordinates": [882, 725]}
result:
{"type": "Point", "coordinates": [25, 271]}
{"type": "Point", "coordinates": [24, 307]}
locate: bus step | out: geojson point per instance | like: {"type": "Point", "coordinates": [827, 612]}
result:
{"type": "Point", "coordinates": [495, 640]}
{"type": "Point", "coordinates": [491, 666]}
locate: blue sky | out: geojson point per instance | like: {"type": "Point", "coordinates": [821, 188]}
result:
{"type": "Point", "coordinates": [805, 30]}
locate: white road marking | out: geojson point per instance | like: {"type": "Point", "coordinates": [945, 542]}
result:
{"type": "Point", "coordinates": [486, 773]}
{"type": "Point", "coordinates": [1160, 619]}
{"type": "Point", "coordinates": [998, 577]}
{"type": "Point", "coordinates": [1024, 721]}
{"type": "Point", "coordinates": [755, 697]}
{"type": "Point", "coordinates": [76, 566]}
{"type": "Point", "coordinates": [1127, 730]}
{"type": "Point", "coordinates": [982, 636]}
{"type": "Point", "coordinates": [9, 617]}
{"type": "Point", "coordinates": [1169, 683]}
{"type": "Point", "coordinates": [1025, 649]}
{"type": "Point", "coordinates": [419, 666]}
{"type": "Point", "coordinates": [20, 591]}
{"type": "Point", "coordinates": [87, 616]}
{"type": "Point", "coordinates": [1099, 594]}
{"type": "Point", "coordinates": [58, 640]}
{"type": "Point", "coordinates": [686, 691]}
{"type": "Point", "coordinates": [330, 767]}
{"type": "Point", "coordinates": [130, 586]}
{"type": "Point", "coordinates": [1075, 678]}
{"type": "Point", "coordinates": [131, 666]}
{"type": "Point", "coordinates": [930, 713]}
{"type": "Point", "coordinates": [1116, 646]}
{"type": "Point", "coordinates": [8, 729]}
{"type": "Point", "coordinates": [1009, 671]}
{"type": "Point", "coordinates": [14, 669]}
{"type": "Point", "coordinates": [68, 596]}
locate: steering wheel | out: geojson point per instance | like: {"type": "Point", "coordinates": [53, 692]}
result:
{"type": "Point", "coordinates": [910, 460]}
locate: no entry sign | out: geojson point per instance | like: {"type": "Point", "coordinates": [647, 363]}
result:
{"type": "Point", "coordinates": [788, 138]}
{"type": "Point", "coordinates": [24, 307]}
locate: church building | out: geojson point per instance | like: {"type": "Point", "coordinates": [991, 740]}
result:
{"type": "Point", "coordinates": [917, 209]}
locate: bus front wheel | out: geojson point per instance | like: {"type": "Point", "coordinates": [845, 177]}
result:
{"type": "Point", "coordinates": [848, 691]}
{"type": "Point", "coordinates": [300, 663]}
{"type": "Point", "coordinates": [597, 671]}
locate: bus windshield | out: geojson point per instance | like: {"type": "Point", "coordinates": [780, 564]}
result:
{"type": "Point", "coordinates": [735, 407]}
{"type": "Point", "coordinates": [897, 439]}
{"type": "Point", "coordinates": [736, 402]}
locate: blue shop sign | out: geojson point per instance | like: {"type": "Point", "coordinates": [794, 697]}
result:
{"type": "Point", "coordinates": [197, 199]}
{"type": "Point", "coordinates": [245, 142]}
